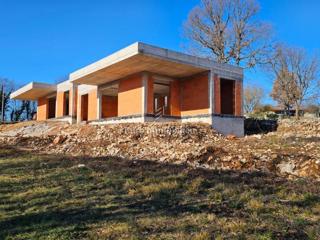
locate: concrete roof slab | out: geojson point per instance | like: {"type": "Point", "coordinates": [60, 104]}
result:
{"type": "Point", "coordinates": [140, 57]}
{"type": "Point", "coordinates": [33, 91]}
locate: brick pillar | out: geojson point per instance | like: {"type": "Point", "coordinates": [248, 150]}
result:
{"type": "Point", "coordinates": [92, 105]}
{"type": "Point", "coordinates": [217, 95]}
{"type": "Point", "coordinates": [61, 98]}
{"type": "Point", "coordinates": [175, 98]}
{"type": "Point", "coordinates": [238, 98]}
{"type": "Point", "coordinates": [42, 109]}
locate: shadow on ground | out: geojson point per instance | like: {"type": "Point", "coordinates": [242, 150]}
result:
{"type": "Point", "coordinates": [61, 197]}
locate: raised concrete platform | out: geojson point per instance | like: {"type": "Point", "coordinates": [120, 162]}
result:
{"type": "Point", "coordinates": [224, 124]}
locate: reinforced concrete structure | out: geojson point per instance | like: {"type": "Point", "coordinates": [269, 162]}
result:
{"type": "Point", "coordinates": [143, 83]}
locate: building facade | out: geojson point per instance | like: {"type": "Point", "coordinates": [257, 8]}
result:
{"type": "Point", "coordinates": [143, 83]}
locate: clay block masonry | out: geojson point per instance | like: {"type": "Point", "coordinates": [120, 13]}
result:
{"type": "Point", "coordinates": [143, 83]}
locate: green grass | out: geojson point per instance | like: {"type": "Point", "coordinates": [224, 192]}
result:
{"type": "Point", "coordinates": [50, 197]}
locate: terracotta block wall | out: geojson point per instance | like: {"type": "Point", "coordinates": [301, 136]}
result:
{"type": "Point", "coordinates": [195, 95]}
{"type": "Point", "coordinates": [238, 98]}
{"type": "Point", "coordinates": [109, 106]}
{"type": "Point", "coordinates": [61, 98]}
{"type": "Point", "coordinates": [174, 102]}
{"type": "Point", "coordinates": [92, 105]}
{"type": "Point", "coordinates": [130, 96]}
{"type": "Point", "coordinates": [42, 109]}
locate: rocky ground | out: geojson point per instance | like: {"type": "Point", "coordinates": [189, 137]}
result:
{"type": "Point", "coordinates": [292, 151]}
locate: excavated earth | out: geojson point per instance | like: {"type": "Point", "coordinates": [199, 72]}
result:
{"type": "Point", "coordinates": [292, 151]}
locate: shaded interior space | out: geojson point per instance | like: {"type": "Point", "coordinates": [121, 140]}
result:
{"type": "Point", "coordinates": [227, 89]}
{"type": "Point", "coordinates": [66, 107]}
{"type": "Point", "coordinates": [51, 107]}
{"type": "Point", "coordinates": [109, 101]}
{"type": "Point", "coordinates": [161, 98]}
{"type": "Point", "coordinates": [84, 107]}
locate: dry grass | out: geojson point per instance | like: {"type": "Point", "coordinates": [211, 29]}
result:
{"type": "Point", "coordinates": [50, 197]}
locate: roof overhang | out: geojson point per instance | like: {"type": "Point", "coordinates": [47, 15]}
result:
{"type": "Point", "coordinates": [141, 57]}
{"type": "Point", "coordinates": [33, 91]}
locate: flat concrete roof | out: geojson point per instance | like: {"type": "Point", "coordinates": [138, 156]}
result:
{"type": "Point", "coordinates": [33, 91]}
{"type": "Point", "coordinates": [140, 57]}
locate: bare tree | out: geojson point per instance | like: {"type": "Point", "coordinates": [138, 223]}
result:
{"type": "Point", "coordinates": [296, 76]}
{"type": "Point", "coordinates": [5, 91]}
{"type": "Point", "coordinates": [227, 31]}
{"type": "Point", "coordinates": [252, 96]}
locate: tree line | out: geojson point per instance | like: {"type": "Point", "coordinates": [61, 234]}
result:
{"type": "Point", "coordinates": [14, 110]}
{"type": "Point", "coordinates": [230, 31]}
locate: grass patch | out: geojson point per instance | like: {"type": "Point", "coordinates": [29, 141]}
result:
{"type": "Point", "coordinates": [59, 197]}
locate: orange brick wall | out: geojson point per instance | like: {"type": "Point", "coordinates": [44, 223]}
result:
{"type": "Point", "coordinates": [238, 98]}
{"type": "Point", "coordinates": [194, 95]}
{"type": "Point", "coordinates": [109, 106]}
{"type": "Point", "coordinates": [92, 105]}
{"type": "Point", "coordinates": [217, 95]}
{"type": "Point", "coordinates": [175, 98]}
{"type": "Point", "coordinates": [130, 96]}
{"type": "Point", "coordinates": [42, 109]}
{"type": "Point", "coordinates": [61, 98]}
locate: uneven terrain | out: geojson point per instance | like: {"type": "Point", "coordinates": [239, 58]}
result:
{"type": "Point", "coordinates": [158, 181]}
{"type": "Point", "coordinates": [292, 151]}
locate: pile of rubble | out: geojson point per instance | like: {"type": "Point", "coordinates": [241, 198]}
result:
{"type": "Point", "coordinates": [296, 155]}
{"type": "Point", "coordinates": [306, 127]}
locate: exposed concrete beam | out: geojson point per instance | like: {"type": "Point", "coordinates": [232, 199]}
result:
{"type": "Point", "coordinates": [33, 91]}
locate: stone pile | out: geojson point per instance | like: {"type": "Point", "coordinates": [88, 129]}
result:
{"type": "Point", "coordinates": [290, 152]}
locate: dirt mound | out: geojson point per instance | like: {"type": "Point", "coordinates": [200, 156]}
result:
{"type": "Point", "coordinates": [288, 152]}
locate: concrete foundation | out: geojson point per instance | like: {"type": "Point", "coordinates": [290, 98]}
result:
{"type": "Point", "coordinates": [229, 125]}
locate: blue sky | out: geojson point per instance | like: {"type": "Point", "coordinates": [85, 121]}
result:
{"type": "Point", "coordinates": [42, 40]}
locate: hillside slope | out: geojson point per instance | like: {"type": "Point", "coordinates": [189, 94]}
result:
{"type": "Point", "coordinates": [293, 151]}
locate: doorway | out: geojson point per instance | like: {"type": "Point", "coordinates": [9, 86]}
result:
{"type": "Point", "coordinates": [161, 99]}
{"type": "Point", "coordinates": [227, 97]}
{"type": "Point", "coordinates": [84, 107]}
{"type": "Point", "coordinates": [52, 107]}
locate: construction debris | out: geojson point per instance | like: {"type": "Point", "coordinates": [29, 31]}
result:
{"type": "Point", "coordinates": [292, 151]}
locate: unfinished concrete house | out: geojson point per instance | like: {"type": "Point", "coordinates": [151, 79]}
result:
{"type": "Point", "coordinates": [144, 83]}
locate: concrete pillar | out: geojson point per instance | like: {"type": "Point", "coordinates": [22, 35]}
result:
{"type": "Point", "coordinates": [99, 104]}
{"type": "Point", "coordinates": [79, 109]}
{"type": "Point", "coordinates": [144, 101]}
{"type": "Point", "coordinates": [73, 99]}
{"type": "Point", "coordinates": [211, 91]}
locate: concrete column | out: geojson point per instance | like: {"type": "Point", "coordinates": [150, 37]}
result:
{"type": "Point", "coordinates": [211, 91]}
{"type": "Point", "coordinates": [79, 109]}
{"type": "Point", "coordinates": [145, 77]}
{"type": "Point", "coordinates": [73, 102]}
{"type": "Point", "coordinates": [56, 113]}
{"type": "Point", "coordinates": [99, 104]}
